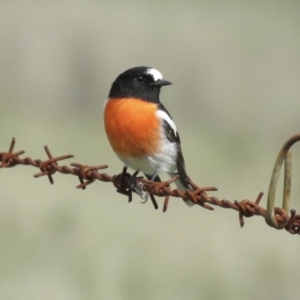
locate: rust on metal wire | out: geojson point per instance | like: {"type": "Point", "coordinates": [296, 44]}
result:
{"type": "Point", "coordinates": [276, 217]}
{"type": "Point", "coordinates": [285, 156]}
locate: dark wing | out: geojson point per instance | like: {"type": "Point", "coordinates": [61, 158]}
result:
{"type": "Point", "coordinates": [173, 137]}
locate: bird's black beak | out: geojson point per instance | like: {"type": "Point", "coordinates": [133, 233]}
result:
{"type": "Point", "coordinates": [161, 82]}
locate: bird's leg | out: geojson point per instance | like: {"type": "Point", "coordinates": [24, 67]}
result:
{"type": "Point", "coordinates": [152, 179]}
{"type": "Point", "coordinates": [121, 184]}
{"type": "Point", "coordinates": [137, 188]}
{"type": "Point", "coordinates": [132, 180]}
{"type": "Point", "coordinates": [124, 174]}
{"type": "Point", "coordinates": [154, 175]}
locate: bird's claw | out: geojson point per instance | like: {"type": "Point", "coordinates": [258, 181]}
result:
{"type": "Point", "coordinates": [138, 189]}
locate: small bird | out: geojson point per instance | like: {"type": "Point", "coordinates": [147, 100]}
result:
{"type": "Point", "coordinates": [140, 129]}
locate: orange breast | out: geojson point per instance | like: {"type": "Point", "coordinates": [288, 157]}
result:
{"type": "Point", "coordinates": [132, 127]}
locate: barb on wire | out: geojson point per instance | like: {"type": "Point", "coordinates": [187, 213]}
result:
{"type": "Point", "coordinates": [276, 217]}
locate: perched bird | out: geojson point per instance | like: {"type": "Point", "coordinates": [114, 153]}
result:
{"type": "Point", "coordinates": [140, 129]}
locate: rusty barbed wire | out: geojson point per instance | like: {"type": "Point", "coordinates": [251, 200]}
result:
{"type": "Point", "coordinates": [88, 174]}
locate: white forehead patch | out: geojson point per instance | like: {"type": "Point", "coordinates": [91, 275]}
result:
{"type": "Point", "coordinates": [155, 74]}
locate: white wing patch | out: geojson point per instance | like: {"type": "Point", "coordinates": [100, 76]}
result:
{"type": "Point", "coordinates": [155, 74]}
{"type": "Point", "coordinates": [164, 116]}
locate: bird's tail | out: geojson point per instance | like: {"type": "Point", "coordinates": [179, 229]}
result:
{"type": "Point", "coordinates": [181, 182]}
{"type": "Point", "coordinates": [183, 186]}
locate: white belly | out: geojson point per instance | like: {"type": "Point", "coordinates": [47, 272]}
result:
{"type": "Point", "coordinates": [164, 161]}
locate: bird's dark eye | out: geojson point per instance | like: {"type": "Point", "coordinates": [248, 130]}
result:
{"type": "Point", "coordinates": [140, 79]}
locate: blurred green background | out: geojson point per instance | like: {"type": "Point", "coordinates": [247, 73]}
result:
{"type": "Point", "coordinates": [235, 68]}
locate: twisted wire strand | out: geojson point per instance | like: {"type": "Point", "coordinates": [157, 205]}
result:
{"type": "Point", "coordinates": [89, 174]}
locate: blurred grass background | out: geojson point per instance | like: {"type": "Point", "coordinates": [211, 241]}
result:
{"type": "Point", "coordinates": [235, 68]}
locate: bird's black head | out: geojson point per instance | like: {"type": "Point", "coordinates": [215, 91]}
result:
{"type": "Point", "coordinates": [140, 82]}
